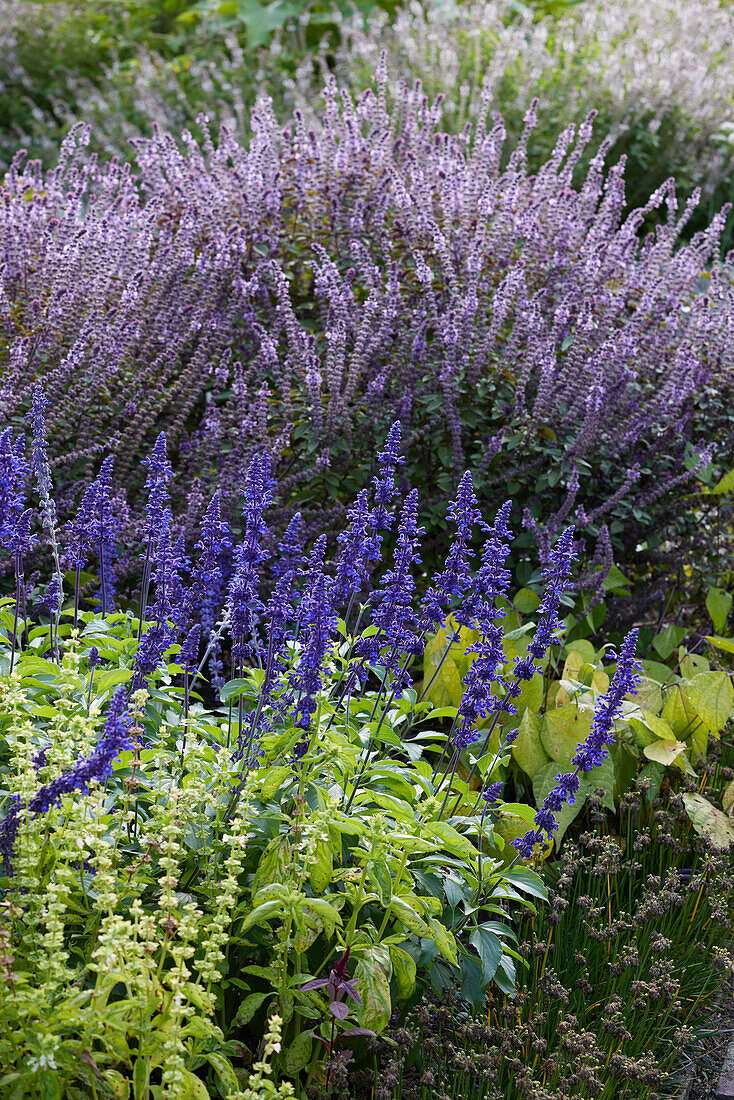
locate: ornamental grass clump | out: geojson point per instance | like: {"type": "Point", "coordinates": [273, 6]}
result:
{"type": "Point", "coordinates": [297, 293]}
{"type": "Point", "coordinates": [177, 873]}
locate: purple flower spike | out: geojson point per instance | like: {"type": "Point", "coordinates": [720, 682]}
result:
{"type": "Point", "coordinates": [13, 474]}
{"type": "Point", "coordinates": [385, 488]}
{"type": "Point", "coordinates": [244, 602]}
{"type": "Point", "coordinates": [591, 753]}
{"type": "Point", "coordinates": [454, 580]}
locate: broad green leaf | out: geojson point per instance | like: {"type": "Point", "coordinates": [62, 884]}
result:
{"type": "Point", "coordinates": [194, 1088]}
{"type": "Point", "coordinates": [526, 601]}
{"type": "Point", "coordinates": [718, 605]}
{"type": "Point", "coordinates": [666, 641]}
{"type": "Point", "coordinates": [528, 749]}
{"type": "Point", "coordinates": [275, 778]}
{"type": "Point", "coordinates": [271, 910]}
{"type": "Point", "coordinates": [326, 911]}
{"type": "Point", "coordinates": [378, 871]}
{"type": "Point", "coordinates": [297, 1053]}
{"type": "Point", "coordinates": [712, 696]}
{"type": "Point", "coordinates": [274, 865]}
{"type": "Point", "coordinates": [249, 1007]}
{"type": "Point", "coordinates": [443, 939]}
{"type": "Point", "coordinates": [321, 866]}
{"type": "Point", "coordinates": [655, 724]}
{"type": "Point", "coordinates": [403, 970]}
{"type": "Point", "coordinates": [489, 949]}
{"type": "Point", "coordinates": [527, 881]}
{"type": "Point", "coordinates": [372, 976]}
{"type": "Point", "coordinates": [726, 645]}
{"type": "Point", "coordinates": [583, 648]}
{"type": "Point", "coordinates": [234, 689]}
{"type": "Point", "coordinates": [451, 840]}
{"type": "Point", "coordinates": [654, 670]}
{"type": "Point", "coordinates": [615, 580]}
{"type": "Point", "coordinates": [679, 712]}
{"type": "Point", "coordinates": [708, 821]}
{"type": "Point", "coordinates": [725, 485]}
{"type": "Point", "coordinates": [407, 915]}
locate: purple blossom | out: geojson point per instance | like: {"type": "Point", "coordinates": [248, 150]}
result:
{"type": "Point", "coordinates": [451, 584]}
{"type": "Point", "coordinates": [160, 473]}
{"type": "Point", "coordinates": [13, 475]}
{"type": "Point", "coordinates": [244, 602]}
{"type": "Point", "coordinates": [305, 682]}
{"type": "Point", "coordinates": [190, 649]}
{"type": "Point", "coordinates": [385, 489]}
{"type": "Point", "coordinates": [392, 601]}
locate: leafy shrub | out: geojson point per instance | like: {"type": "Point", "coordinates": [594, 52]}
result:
{"type": "Point", "coordinates": [302, 292]}
{"type": "Point", "coordinates": [621, 962]}
{"type": "Point", "coordinates": [222, 851]}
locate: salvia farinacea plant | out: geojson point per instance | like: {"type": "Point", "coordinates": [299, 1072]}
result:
{"type": "Point", "coordinates": [285, 610]}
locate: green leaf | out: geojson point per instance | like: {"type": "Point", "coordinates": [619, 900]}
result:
{"type": "Point", "coordinates": [725, 485]}
{"type": "Point", "coordinates": [712, 696]}
{"type": "Point", "coordinates": [679, 712]}
{"type": "Point", "coordinates": [249, 1007]}
{"type": "Point", "coordinates": [110, 679]}
{"type": "Point", "coordinates": [664, 752]}
{"type": "Point", "coordinates": [140, 1079]}
{"type": "Point", "coordinates": [372, 976]}
{"type": "Point", "coordinates": [321, 866]}
{"type": "Point", "coordinates": [270, 910]}
{"type": "Point", "coordinates": [708, 821]}
{"type": "Point", "coordinates": [489, 949]}
{"type": "Point", "coordinates": [274, 780]}
{"type": "Point", "coordinates": [407, 916]}
{"type": "Point", "coordinates": [727, 799]}
{"type": "Point", "coordinates": [194, 1087]}
{"type": "Point", "coordinates": [328, 914]}
{"type": "Point", "coordinates": [234, 689]}
{"type": "Point", "coordinates": [528, 749]}
{"type": "Point", "coordinates": [403, 970]}
{"type": "Point", "coordinates": [564, 729]}
{"type": "Point", "coordinates": [49, 1086]}
{"type": "Point", "coordinates": [615, 580]}
{"type": "Point", "coordinates": [526, 601]}
{"type": "Point", "coordinates": [296, 1056]}
{"type": "Point", "coordinates": [668, 639]}
{"type": "Point", "coordinates": [718, 605]}
{"type": "Point", "coordinates": [726, 645]}
{"type": "Point", "coordinates": [274, 865]}
{"type": "Point", "coordinates": [527, 881]}
{"type": "Point", "coordinates": [443, 939]}
{"type": "Point", "coordinates": [380, 875]}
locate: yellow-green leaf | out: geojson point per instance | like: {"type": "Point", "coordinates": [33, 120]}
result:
{"type": "Point", "coordinates": [708, 821]}
{"type": "Point", "coordinates": [528, 748]}
{"type": "Point", "coordinates": [711, 694]}
{"type": "Point", "coordinates": [372, 976]}
{"type": "Point", "coordinates": [664, 752]}
{"type": "Point", "coordinates": [404, 971]}
{"type": "Point", "coordinates": [564, 729]}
